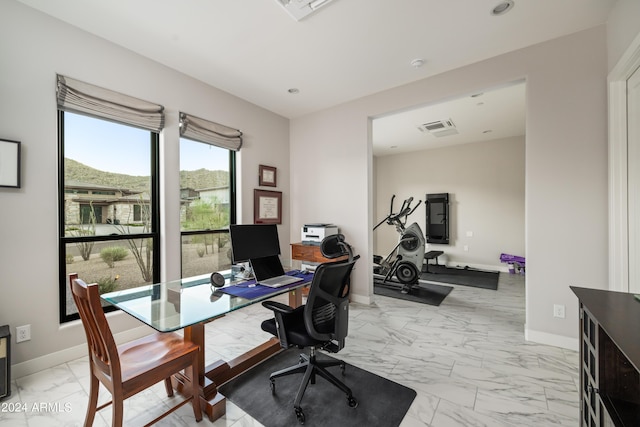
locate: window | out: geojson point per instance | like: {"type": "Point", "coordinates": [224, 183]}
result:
{"type": "Point", "coordinates": [207, 206]}
{"type": "Point", "coordinates": [207, 193]}
{"type": "Point", "coordinates": [108, 205]}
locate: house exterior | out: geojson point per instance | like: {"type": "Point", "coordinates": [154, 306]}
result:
{"type": "Point", "coordinates": [110, 205]}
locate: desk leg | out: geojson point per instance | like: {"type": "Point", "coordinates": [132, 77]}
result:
{"type": "Point", "coordinates": [213, 404]}
{"type": "Point", "coordinates": [195, 334]}
{"type": "Point", "coordinates": [295, 298]}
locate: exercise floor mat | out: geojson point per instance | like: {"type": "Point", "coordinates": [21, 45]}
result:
{"type": "Point", "coordinates": [462, 276]}
{"type": "Point", "coordinates": [425, 293]}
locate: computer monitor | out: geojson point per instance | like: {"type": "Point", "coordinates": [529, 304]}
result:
{"type": "Point", "coordinates": [251, 241]}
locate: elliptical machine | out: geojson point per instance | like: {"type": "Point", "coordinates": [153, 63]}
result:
{"type": "Point", "coordinates": [406, 258]}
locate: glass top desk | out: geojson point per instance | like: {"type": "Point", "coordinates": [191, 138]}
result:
{"type": "Point", "coordinates": [189, 304]}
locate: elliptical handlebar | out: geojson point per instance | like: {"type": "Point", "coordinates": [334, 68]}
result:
{"type": "Point", "coordinates": [391, 207]}
{"type": "Point", "coordinates": [405, 211]}
{"type": "Point", "coordinates": [416, 207]}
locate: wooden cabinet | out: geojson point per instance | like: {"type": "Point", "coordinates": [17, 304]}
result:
{"type": "Point", "coordinates": [609, 358]}
{"type": "Point", "coordinates": [308, 253]}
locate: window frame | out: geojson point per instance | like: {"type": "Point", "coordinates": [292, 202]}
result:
{"type": "Point", "coordinates": [232, 203]}
{"type": "Point", "coordinates": [63, 240]}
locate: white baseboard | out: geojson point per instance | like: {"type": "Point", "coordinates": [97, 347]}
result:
{"type": "Point", "coordinates": [360, 299]}
{"type": "Point", "coordinates": [50, 360]}
{"type": "Point", "coordinates": [551, 339]}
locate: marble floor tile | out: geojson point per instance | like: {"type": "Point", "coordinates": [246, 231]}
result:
{"type": "Point", "coordinates": [467, 360]}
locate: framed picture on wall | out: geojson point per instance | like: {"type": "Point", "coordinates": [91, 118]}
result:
{"type": "Point", "coordinates": [9, 163]}
{"type": "Point", "coordinates": [267, 207]}
{"type": "Point", "coordinates": [267, 176]}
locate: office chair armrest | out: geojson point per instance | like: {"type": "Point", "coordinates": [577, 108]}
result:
{"type": "Point", "coordinates": [342, 323]}
{"type": "Point", "coordinates": [279, 312]}
{"type": "Point", "coordinates": [278, 307]}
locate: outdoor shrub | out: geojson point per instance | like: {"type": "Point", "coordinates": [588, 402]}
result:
{"type": "Point", "coordinates": [69, 259]}
{"type": "Point", "coordinates": [200, 251]}
{"type": "Point", "coordinates": [112, 254]}
{"type": "Point", "coordinates": [107, 284]}
{"type": "Point", "coordinates": [223, 239]}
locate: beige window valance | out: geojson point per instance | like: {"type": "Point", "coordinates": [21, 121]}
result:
{"type": "Point", "coordinates": [210, 132]}
{"type": "Point", "coordinates": [80, 97]}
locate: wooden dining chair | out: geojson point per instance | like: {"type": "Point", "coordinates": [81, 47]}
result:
{"type": "Point", "coordinates": [132, 367]}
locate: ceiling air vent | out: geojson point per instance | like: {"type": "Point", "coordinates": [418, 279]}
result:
{"type": "Point", "coordinates": [439, 128]}
{"type": "Point", "coordinates": [298, 9]}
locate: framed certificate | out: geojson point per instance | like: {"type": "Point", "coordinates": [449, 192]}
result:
{"type": "Point", "coordinates": [267, 207]}
{"type": "Point", "coordinates": [9, 163]}
{"type": "Point", "coordinates": [267, 176]}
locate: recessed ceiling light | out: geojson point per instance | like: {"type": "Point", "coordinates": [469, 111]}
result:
{"type": "Point", "coordinates": [417, 63]}
{"type": "Point", "coordinates": [502, 7]}
{"type": "Point", "coordinates": [294, 90]}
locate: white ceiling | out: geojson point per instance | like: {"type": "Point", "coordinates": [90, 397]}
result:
{"type": "Point", "coordinates": [494, 113]}
{"type": "Point", "coordinates": [345, 50]}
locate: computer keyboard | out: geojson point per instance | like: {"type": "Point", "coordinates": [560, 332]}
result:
{"type": "Point", "coordinates": [275, 282]}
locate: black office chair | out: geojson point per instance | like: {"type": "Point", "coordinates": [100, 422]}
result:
{"type": "Point", "coordinates": [319, 324]}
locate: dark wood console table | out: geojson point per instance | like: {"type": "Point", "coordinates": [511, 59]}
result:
{"type": "Point", "coordinates": [609, 358]}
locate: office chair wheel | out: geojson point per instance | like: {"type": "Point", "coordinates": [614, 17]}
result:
{"type": "Point", "coordinates": [272, 386]}
{"type": "Point", "coordinates": [353, 403]}
{"type": "Point", "coordinates": [299, 415]}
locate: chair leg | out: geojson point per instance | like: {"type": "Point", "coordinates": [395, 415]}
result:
{"type": "Point", "coordinates": [329, 363]}
{"type": "Point", "coordinates": [117, 411]}
{"type": "Point", "coordinates": [333, 380]}
{"type": "Point", "coordinates": [311, 368]}
{"type": "Point", "coordinates": [93, 400]}
{"type": "Point", "coordinates": [295, 369]}
{"type": "Point", "coordinates": [303, 385]}
{"type": "Point", "coordinates": [168, 387]}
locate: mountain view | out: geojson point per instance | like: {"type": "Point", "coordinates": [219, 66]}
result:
{"type": "Point", "coordinates": [198, 179]}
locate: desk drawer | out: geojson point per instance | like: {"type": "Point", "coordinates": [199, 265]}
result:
{"type": "Point", "coordinates": [304, 252]}
{"type": "Point", "coordinates": [310, 253]}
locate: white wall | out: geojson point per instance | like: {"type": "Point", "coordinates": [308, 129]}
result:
{"type": "Point", "coordinates": [33, 48]}
{"type": "Point", "coordinates": [485, 182]}
{"type": "Point", "coordinates": [622, 27]}
{"type": "Point", "coordinates": [565, 169]}
{"type": "Point", "coordinates": [332, 182]}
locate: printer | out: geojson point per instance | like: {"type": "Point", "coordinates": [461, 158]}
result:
{"type": "Point", "coordinates": [312, 234]}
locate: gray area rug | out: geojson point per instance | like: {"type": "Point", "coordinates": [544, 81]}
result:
{"type": "Point", "coordinates": [425, 293]}
{"type": "Point", "coordinates": [462, 276]}
{"type": "Point", "coordinates": [381, 402]}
